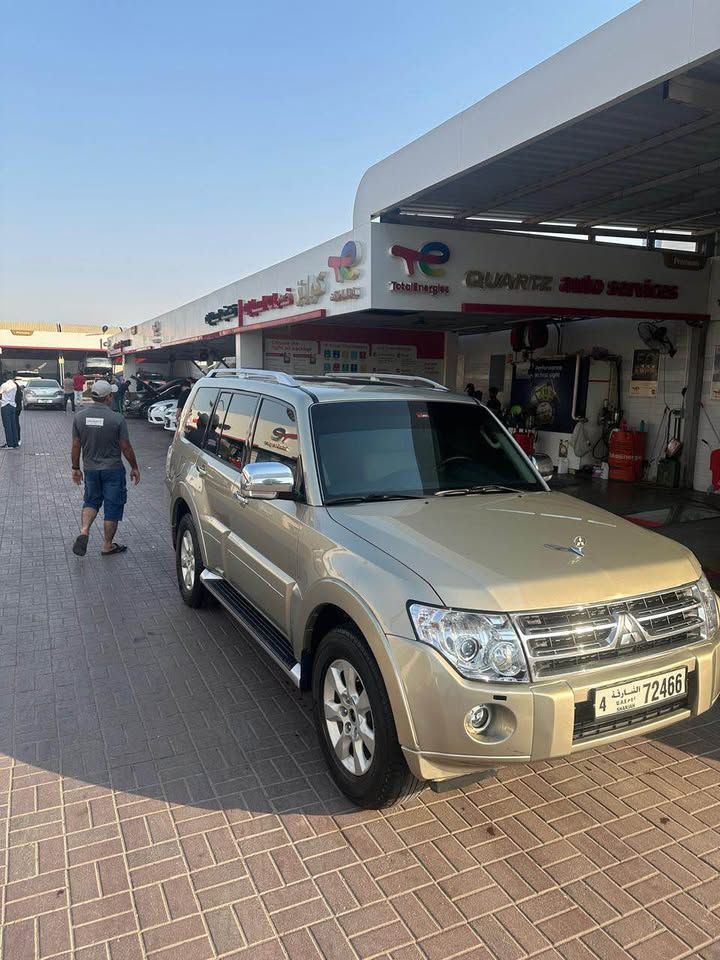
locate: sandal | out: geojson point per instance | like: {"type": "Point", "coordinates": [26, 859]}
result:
{"type": "Point", "coordinates": [116, 548]}
{"type": "Point", "coordinates": [80, 545]}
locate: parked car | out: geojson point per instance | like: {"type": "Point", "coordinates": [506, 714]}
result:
{"type": "Point", "coordinates": [396, 554]}
{"type": "Point", "coordinates": [171, 420]}
{"type": "Point", "coordinates": [157, 411]}
{"type": "Point", "coordinates": [138, 406]}
{"type": "Point", "coordinates": [44, 393]}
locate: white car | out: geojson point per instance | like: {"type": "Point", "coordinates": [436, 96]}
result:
{"type": "Point", "coordinates": [171, 420]}
{"type": "Point", "coordinates": [156, 413]}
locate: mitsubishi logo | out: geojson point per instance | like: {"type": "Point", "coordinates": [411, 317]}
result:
{"type": "Point", "coordinates": [628, 632]}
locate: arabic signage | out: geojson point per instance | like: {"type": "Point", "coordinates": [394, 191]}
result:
{"type": "Point", "coordinates": [226, 313]}
{"type": "Point", "coordinates": [346, 293]}
{"type": "Point", "coordinates": [311, 289]}
{"type": "Point", "coordinates": [269, 301]}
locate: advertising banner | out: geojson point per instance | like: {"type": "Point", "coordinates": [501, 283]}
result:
{"type": "Point", "coordinates": [545, 387]}
{"type": "Point", "coordinates": [644, 379]}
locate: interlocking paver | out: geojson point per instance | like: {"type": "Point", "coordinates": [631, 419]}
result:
{"type": "Point", "coordinates": [162, 793]}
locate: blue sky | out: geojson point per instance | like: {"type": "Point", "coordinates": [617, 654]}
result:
{"type": "Point", "coordinates": [153, 151]}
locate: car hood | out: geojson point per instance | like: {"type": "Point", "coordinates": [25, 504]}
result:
{"type": "Point", "coordinates": [500, 551]}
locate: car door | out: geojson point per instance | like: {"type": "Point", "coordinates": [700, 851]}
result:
{"type": "Point", "coordinates": [225, 449]}
{"type": "Point", "coordinates": [189, 462]}
{"type": "Point", "coordinates": [261, 548]}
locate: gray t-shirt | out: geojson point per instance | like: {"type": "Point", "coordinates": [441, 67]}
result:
{"type": "Point", "coordinates": [100, 431]}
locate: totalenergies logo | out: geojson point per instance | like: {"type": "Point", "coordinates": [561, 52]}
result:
{"type": "Point", "coordinates": [427, 258]}
{"type": "Point", "coordinates": [344, 265]}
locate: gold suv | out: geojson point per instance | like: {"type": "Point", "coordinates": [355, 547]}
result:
{"type": "Point", "coordinates": [394, 551]}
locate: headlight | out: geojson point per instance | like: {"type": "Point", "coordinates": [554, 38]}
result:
{"type": "Point", "coordinates": [709, 602]}
{"type": "Point", "coordinates": [481, 646]}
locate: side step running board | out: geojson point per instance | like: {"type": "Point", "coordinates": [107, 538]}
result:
{"type": "Point", "coordinates": [275, 645]}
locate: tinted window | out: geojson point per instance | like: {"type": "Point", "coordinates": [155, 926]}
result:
{"type": "Point", "coordinates": [44, 383]}
{"type": "Point", "coordinates": [417, 447]}
{"type": "Point", "coordinates": [276, 435]}
{"type": "Point", "coordinates": [215, 424]}
{"type": "Point", "coordinates": [236, 431]}
{"type": "Point", "coordinates": [197, 415]}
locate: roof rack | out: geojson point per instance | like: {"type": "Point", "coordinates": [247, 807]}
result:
{"type": "Point", "coordinates": [401, 379]}
{"type": "Point", "coordinates": [249, 374]}
{"type": "Point", "coordinates": [275, 376]}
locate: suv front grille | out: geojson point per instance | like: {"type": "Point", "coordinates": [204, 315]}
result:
{"type": "Point", "coordinates": [564, 641]}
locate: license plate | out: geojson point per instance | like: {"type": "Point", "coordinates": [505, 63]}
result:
{"type": "Point", "coordinates": [42, 400]}
{"type": "Point", "coordinates": [638, 694]}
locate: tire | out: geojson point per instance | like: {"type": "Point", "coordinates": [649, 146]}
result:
{"type": "Point", "coordinates": [367, 764]}
{"type": "Point", "coordinates": [188, 568]}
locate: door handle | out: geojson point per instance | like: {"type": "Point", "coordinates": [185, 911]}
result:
{"type": "Point", "coordinates": [201, 468]}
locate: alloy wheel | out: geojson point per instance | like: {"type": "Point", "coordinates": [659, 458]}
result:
{"type": "Point", "coordinates": [348, 717]}
{"type": "Point", "coordinates": [187, 560]}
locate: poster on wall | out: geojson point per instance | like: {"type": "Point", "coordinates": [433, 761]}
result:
{"type": "Point", "coordinates": [291, 356]}
{"type": "Point", "coordinates": [394, 358]}
{"type": "Point", "coordinates": [715, 382]}
{"type": "Point", "coordinates": [644, 380]}
{"type": "Point", "coordinates": [344, 357]}
{"type": "Point", "coordinates": [545, 388]}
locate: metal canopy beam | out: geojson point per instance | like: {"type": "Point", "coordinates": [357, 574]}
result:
{"type": "Point", "coordinates": [508, 226]}
{"type": "Point", "coordinates": [616, 156]}
{"type": "Point", "coordinates": [567, 213]}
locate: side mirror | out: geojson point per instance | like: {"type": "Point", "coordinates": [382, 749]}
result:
{"type": "Point", "coordinates": [264, 481]}
{"type": "Point", "coordinates": [544, 465]}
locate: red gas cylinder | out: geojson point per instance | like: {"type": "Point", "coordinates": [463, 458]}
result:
{"type": "Point", "coordinates": [715, 469]}
{"type": "Point", "coordinates": [526, 441]}
{"type": "Point", "coordinates": [627, 452]}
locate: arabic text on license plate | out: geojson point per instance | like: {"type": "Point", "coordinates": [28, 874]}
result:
{"type": "Point", "coordinates": [638, 694]}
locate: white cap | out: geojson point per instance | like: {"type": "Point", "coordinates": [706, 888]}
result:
{"type": "Point", "coordinates": [101, 389]}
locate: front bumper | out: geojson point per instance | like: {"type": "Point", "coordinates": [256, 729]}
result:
{"type": "Point", "coordinates": [533, 721]}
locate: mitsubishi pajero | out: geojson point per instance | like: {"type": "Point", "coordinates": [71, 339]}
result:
{"type": "Point", "coordinates": [396, 554]}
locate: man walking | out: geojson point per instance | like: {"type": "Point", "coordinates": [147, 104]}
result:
{"type": "Point", "coordinates": [69, 389]}
{"type": "Point", "coordinates": [18, 405]}
{"type": "Point", "coordinates": [8, 392]}
{"type": "Point", "coordinates": [101, 434]}
{"type": "Point", "coordinates": [78, 386]}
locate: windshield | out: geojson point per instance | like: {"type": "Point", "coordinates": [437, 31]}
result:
{"type": "Point", "coordinates": [44, 383]}
{"type": "Point", "coordinates": [413, 448]}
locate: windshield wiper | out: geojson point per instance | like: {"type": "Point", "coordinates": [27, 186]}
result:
{"type": "Point", "coordinates": [485, 488]}
{"type": "Point", "coordinates": [373, 498]}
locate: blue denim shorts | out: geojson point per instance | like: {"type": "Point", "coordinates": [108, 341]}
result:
{"type": "Point", "coordinates": [106, 487]}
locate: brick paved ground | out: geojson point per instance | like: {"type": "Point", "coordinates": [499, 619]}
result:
{"type": "Point", "coordinates": [162, 794]}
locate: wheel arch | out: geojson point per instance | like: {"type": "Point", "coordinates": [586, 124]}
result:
{"type": "Point", "coordinates": [339, 605]}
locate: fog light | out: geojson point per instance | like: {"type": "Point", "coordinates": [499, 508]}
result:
{"type": "Point", "coordinates": [478, 719]}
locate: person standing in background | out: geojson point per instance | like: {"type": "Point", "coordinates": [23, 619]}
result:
{"type": "Point", "coordinates": [493, 402]}
{"type": "Point", "coordinates": [78, 386]}
{"type": "Point", "coordinates": [18, 405]}
{"type": "Point", "coordinates": [69, 389]}
{"type": "Point", "coordinates": [7, 411]}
